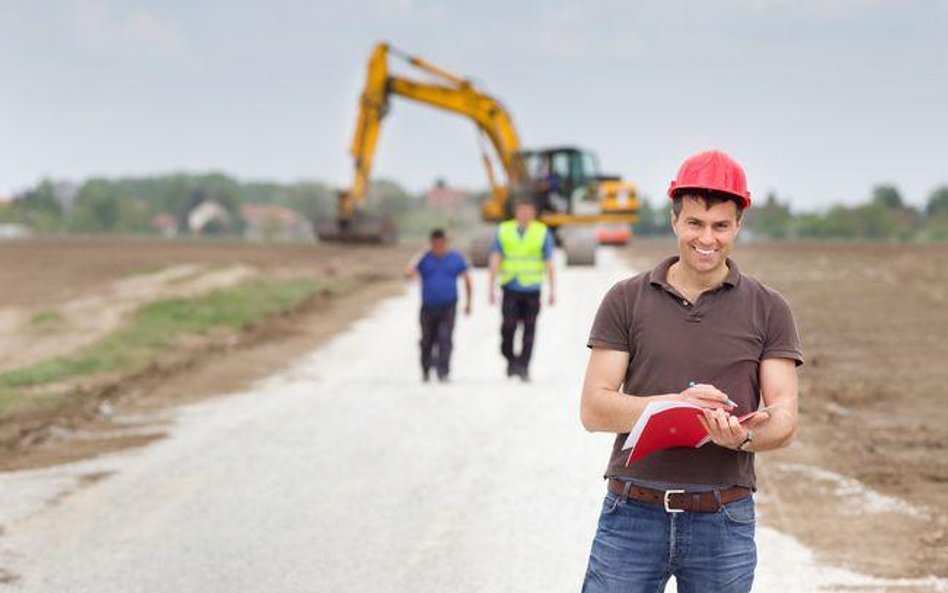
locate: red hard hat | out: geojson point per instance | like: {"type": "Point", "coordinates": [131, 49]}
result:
{"type": "Point", "coordinates": [712, 170]}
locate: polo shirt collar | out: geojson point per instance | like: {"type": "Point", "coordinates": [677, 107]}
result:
{"type": "Point", "coordinates": [658, 276]}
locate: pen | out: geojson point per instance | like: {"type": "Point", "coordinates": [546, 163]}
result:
{"type": "Point", "coordinates": [729, 401]}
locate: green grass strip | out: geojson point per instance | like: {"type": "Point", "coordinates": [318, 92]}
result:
{"type": "Point", "coordinates": [46, 320]}
{"type": "Point", "coordinates": [157, 325]}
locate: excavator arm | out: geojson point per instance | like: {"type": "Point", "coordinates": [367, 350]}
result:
{"type": "Point", "coordinates": [450, 93]}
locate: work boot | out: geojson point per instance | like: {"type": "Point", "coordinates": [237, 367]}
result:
{"type": "Point", "coordinates": [511, 369]}
{"type": "Point", "coordinates": [425, 375]}
{"type": "Point", "coordinates": [524, 374]}
{"type": "Point", "coordinates": [444, 378]}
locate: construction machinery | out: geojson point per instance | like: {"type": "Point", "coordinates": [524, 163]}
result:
{"type": "Point", "coordinates": [565, 183]}
{"type": "Point", "coordinates": [613, 234]}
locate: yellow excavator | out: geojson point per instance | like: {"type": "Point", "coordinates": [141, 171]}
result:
{"type": "Point", "coordinates": [564, 181]}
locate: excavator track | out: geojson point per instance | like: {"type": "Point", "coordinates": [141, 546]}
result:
{"type": "Point", "coordinates": [369, 229]}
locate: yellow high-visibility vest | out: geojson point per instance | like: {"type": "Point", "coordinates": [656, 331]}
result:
{"type": "Point", "coordinates": [523, 256]}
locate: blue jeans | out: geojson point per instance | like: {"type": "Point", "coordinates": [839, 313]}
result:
{"type": "Point", "coordinates": [639, 546]}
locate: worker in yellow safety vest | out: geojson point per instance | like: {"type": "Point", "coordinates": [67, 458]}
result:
{"type": "Point", "coordinates": [522, 254]}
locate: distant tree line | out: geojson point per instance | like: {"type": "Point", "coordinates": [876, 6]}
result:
{"type": "Point", "coordinates": [131, 205]}
{"type": "Point", "coordinates": [885, 216]}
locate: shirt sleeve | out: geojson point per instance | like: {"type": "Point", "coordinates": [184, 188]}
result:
{"type": "Point", "coordinates": [783, 340]}
{"type": "Point", "coordinates": [495, 248]}
{"type": "Point", "coordinates": [548, 246]}
{"type": "Point", "coordinates": [610, 328]}
{"type": "Point", "coordinates": [462, 263]}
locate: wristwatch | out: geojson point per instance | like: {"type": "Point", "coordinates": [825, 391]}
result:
{"type": "Point", "coordinates": [747, 440]}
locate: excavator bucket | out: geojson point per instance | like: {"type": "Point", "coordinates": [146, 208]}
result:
{"type": "Point", "coordinates": [362, 228]}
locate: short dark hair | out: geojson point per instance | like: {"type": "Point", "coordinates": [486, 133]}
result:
{"type": "Point", "coordinates": [437, 234]}
{"type": "Point", "coordinates": [709, 197]}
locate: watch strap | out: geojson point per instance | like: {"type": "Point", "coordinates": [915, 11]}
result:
{"type": "Point", "coordinates": [747, 440]}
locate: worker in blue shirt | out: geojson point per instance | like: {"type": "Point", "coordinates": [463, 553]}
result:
{"type": "Point", "coordinates": [439, 268]}
{"type": "Point", "coordinates": [522, 253]}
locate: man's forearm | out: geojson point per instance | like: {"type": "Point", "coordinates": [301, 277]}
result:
{"type": "Point", "coordinates": [775, 433]}
{"type": "Point", "coordinates": [779, 387]}
{"type": "Point", "coordinates": [493, 265]}
{"type": "Point", "coordinates": [604, 410]}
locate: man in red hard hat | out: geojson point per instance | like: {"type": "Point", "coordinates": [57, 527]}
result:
{"type": "Point", "coordinates": [694, 330]}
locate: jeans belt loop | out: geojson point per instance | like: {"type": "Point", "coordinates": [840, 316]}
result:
{"type": "Point", "coordinates": [625, 491]}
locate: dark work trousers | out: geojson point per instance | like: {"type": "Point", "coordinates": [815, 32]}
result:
{"type": "Point", "coordinates": [519, 309]}
{"type": "Point", "coordinates": [437, 326]}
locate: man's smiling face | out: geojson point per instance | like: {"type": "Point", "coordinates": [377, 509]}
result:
{"type": "Point", "coordinates": [705, 235]}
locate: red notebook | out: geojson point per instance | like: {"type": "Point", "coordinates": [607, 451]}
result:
{"type": "Point", "coordinates": [668, 424]}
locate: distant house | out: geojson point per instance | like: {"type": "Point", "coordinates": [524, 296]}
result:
{"type": "Point", "coordinates": [209, 217]}
{"type": "Point", "coordinates": [67, 194]}
{"type": "Point", "coordinates": [442, 197]}
{"type": "Point", "coordinates": [164, 224]}
{"type": "Point", "coordinates": [272, 222]}
{"type": "Point", "coordinates": [13, 231]}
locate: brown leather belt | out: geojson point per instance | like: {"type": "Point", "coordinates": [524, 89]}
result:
{"type": "Point", "coordinates": [676, 501]}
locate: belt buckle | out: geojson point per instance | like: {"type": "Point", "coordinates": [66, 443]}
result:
{"type": "Point", "coordinates": [665, 501]}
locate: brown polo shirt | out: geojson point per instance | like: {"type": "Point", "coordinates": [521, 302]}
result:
{"type": "Point", "coordinates": [719, 340]}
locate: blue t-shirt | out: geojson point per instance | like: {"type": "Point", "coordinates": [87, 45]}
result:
{"type": "Point", "coordinates": [439, 277]}
{"type": "Point", "coordinates": [547, 256]}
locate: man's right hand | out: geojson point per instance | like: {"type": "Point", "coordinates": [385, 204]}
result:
{"type": "Point", "coordinates": [706, 396]}
{"type": "Point", "coordinates": [492, 295]}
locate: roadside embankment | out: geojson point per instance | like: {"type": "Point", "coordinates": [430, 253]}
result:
{"type": "Point", "coordinates": [77, 348]}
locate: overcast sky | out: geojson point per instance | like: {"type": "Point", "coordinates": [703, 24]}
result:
{"type": "Point", "coordinates": [819, 100]}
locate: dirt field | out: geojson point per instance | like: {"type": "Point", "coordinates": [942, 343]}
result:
{"type": "Point", "coordinates": [873, 321]}
{"type": "Point", "coordinates": [92, 286]}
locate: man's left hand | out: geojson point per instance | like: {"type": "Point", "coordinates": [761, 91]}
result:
{"type": "Point", "coordinates": [552, 299]}
{"type": "Point", "coordinates": [726, 430]}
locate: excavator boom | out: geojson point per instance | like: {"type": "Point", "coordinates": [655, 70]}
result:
{"type": "Point", "coordinates": [451, 93]}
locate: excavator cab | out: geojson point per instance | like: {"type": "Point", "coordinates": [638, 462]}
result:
{"type": "Point", "coordinates": [560, 178]}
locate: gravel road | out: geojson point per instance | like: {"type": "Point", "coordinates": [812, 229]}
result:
{"type": "Point", "coordinates": [346, 473]}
